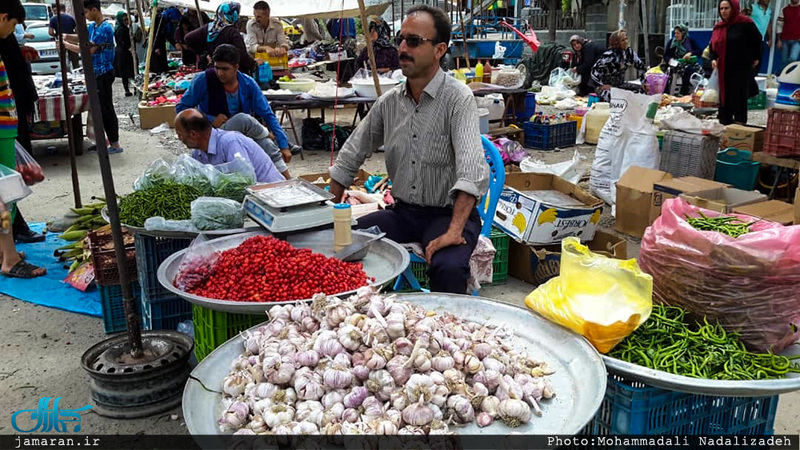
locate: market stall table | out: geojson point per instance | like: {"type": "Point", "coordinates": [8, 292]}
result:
{"type": "Point", "coordinates": [54, 109]}
{"type": "Point", "coordinates": [781, 163]}
{"type": "Point", "coordinates": [510, 98]}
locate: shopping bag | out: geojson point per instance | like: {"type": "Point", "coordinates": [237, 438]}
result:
{"type": "Point", "coordinates": [30, 170]}
{"type": "Point", "coordinates": [601, 298]}
{"type": "Point", "coordinates": [711, 93]}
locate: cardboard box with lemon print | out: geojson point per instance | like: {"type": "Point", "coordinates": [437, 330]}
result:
{"type": "Point", "coordinates": [524, 216]}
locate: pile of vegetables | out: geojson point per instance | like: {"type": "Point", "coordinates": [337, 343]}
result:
{"type": "Point", "coordinates": [667, 342]}
{"type": "Point", "coordinates": [266, 269]}
{"type": "Point", "coordinates": [374, 365]}
{"type": "Point", "coordinates": [730, 225]}
{"type": "Point", "coordinates": [169, 200]}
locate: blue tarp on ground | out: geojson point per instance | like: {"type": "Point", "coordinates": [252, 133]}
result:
{"type": "Point", "coordinates": [50, 290]}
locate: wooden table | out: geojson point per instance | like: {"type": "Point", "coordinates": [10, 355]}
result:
{"type": "Point", "coordinates": [790, 163]}
{"type": "Point", "coordinates": [509, 96]}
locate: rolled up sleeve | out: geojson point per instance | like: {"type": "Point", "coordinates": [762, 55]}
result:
{"type": "Point", "coordinates": [472, 171]}
{"type": "Point", "coordinates": [366, 138]}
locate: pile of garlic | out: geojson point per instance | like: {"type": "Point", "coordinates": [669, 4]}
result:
{"type": "Point", "coordinates": [375, 365]}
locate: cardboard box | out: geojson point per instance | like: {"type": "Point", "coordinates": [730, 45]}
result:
{"type": "Point", "coordinates": [535, 265]}
{"type": "Point", "coordinates": [361, 177]}
{"type": "Point", "coordinates": [153, 116]}
{"type": "Point", "coordinates": [636, 207]}
{"type": "Point", "coordinates": [530, 220]}
{"type": "Point", "coordinates": [724, 200]}
{"type": "Point", "coordinates": [772, 210]}
{"type": "Point", "coordinates": [667, 189]}
{"type": "Point", "coordinates": [743, 137]}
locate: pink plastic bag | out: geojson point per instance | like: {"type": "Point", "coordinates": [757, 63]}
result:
{"type": "Point", "coordinates": [750, 284]}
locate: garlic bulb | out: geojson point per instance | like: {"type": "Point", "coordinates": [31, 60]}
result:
{"type": "Point", "coordinates": [373, 409]}
{"type": "Point", "coordinates": [355, 397]}
{"type": "Point", "coordinates": [488, 378]}
{"type": "Point", "coordinates": [299, 312]}
{"type": "Point", "coordinates": [309, 324]}
{"type": "Point", "coordinates": [399, 400]}
{"type": "Point", "coordinates": [308, 358]}
{"type": "Point", "coordinates": [472, 364]}
{"type": "Point", "coordinates": [360, 372]}
{"type": "Point", "coordinates": [423, 361]}
{"type": "Point", "coordinates": [278, 372]}
{"type": "Point", "coordinates": [403, 346]}
{"type": "Point", "coordinates": [482, 350]}
{"type": "Point", "coordinates": [349, 336]}
{"type": "Point", "coordinates": [383, 427]}
{"type": "Point", "coordinates": [490, 363]}
{"type": "Point", "coordinates": [484, 419]}
{"type": "Point", "coordinates": [514, 412]}
{"type": "Point", "coordinates": [278, 414]}
{"type": "Point", "coordinates": [350, 415]}
{"type": "Point", "coordinates": [399, 369]}
{"type": "Point", "coordinates": [442, 361]}
{"type": "Point", "coordinates": [395, 416]}
{"type": "Point", "coordinates": [381, 384]}
{"type": "Point", "coordinates": [418, 414]}
{"type": "Point", "coordinates": [244, 432]}
{"type": "Point", "coordinates": [333, 397]}
{"type": "Point", "coordinates": [235, 417]}
{"type": "Point", "coordinates": [460, 408]}
{"type": "Point", "coordinates": [337, 377]}
{"type": "Point", "coordinates": [419, 387]}
{"type": "Point", "coordinates": [490, 404]}
{"type": "Point", "coordinates": [234, 385]}
{"type": "Point", "coordinates": [509, 389]}
{"type": "Point", "coordinates": [305, 428]}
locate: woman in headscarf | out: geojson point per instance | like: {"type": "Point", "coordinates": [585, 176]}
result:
{"type": "Point", "coordinates": [386, 55]}
{"type": "Point", "coordinates": [586, 54]}
{"type": "Point", "coordinates": [188, 57]}
{"type": "Point", "coordinates": [123, 58]}
{"type": "Point", "coordinates": [222, 30]}
{"type": "Point", "coordinates": [609, 71]}
{"type": "Point", "coordinates": [683, 47]}
{"type": "Point", "coordinates": [735, 52]}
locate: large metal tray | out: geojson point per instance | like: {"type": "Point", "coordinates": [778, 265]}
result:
{"type": "Point", "coordinates": [385, 261]}
{"type": "Point", "coordinates": [721, 388]}
{"type": "Point", "coordinates": [579, 379]}
{"type": "Point", "coordinates": [249, 225]}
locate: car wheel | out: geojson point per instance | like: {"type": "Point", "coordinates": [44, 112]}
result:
{"type": "Point", "coordinates": [526, 75]}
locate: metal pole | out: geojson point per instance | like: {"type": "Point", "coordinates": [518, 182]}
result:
{"type": "Point", "coordinates": [71, 138]}
{"type": "Point", "coordinates": [646, 32]}
{"type": "Point", "coordinates": [133, 44]}
{"type": "Point", "coordinates": [365, 26]}
{"type": "Point", "coordinates": [464, 35]}
{"type": "Point", "coordinates": [134, 332]}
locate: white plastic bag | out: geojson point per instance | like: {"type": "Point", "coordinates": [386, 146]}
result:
{"type": "Point", "coordinates": [569, 170]}
{"type": "Point", "coordinates": [711, 93]}
{"type": "Point", "coordinates": [683, 121]}
{"type": "Point", "coordinates": [627, 139]}
{"type": "Point", "coordinates": [564, 77]}
{"type": "Point", "coordinates": [499, 51]}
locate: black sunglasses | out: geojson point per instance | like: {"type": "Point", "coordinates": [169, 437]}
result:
{"type": "Point", "coordinates": [413, 40]}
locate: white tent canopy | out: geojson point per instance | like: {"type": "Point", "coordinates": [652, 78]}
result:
{"type": "Point", "coordinates": [316, 9]}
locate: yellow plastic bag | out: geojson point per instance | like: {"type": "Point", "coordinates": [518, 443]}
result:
{"type": "Point", "coordinates": [601, 298]}
{"type": "Point", "coordinates": [654, 70]}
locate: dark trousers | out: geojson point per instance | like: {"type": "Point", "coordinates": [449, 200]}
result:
{"type": "Point", "coordinates": [105, 83]}
{"type": "Point", "coordinates": [734, 110]}
{"type": "Point", "coordinates": [404, 223]}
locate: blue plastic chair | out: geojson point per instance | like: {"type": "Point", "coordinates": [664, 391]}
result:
{"type": "Point", "coordinates": [486, 208]}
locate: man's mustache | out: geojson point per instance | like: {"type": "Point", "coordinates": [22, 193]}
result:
{"type": "Point", "coordinates": [406, 57]}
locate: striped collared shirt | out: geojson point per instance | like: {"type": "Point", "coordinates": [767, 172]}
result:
{"type": "Point", "coordinates": [433, 148]}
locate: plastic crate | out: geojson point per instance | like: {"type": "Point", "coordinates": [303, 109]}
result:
{"type": "Point", "coordinates": [548, 137]}
{"type": "Point", "coordinates": [634, 408]}
{"type": "Point", "coordinates": [757, 102]}
{"type": "Point", "coordinates": [684, 154]}
{"type": "Point", "coordinates": [150, 253]}
{"type": "Point", "coordinates": [782, 137]}
{"type": "Point", "coordinates": [499, 239]}
{"type": "Point", "coordinates": [106, 271]}
{"type": "Point", "coordinates": [113, 309]}
{"type": "Point", "coordinates": [166, 313]}
{"type": "Point", "coordinates": [734, 167]}
{"type": "Point", "coordinates": [213, 328]}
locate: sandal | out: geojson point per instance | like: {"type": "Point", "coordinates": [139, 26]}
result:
{"type": "Point", "coordinates": [23, 269]}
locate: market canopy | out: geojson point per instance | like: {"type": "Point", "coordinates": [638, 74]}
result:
{"type": "Point", "coordinates": [315, 9]}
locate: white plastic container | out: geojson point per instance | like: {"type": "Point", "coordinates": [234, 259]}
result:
{"type": "Point", "coordinates": [12, 187]}
{"type": "Point", "coordinates": [366, 89]}
{"type": "Point", "coordinates": [496, 109]}
{"type": "Point", "coordinates": [789, 87]}
{"type": "Point", "coordinates": [772, 95]}
{"type": "Point", "coordinates": [298, 85]}
{"type": "Point", "coordinates": [483, 117]}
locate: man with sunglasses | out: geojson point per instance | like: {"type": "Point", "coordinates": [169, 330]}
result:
{"type": "Point", "coordinates": [428, 127]}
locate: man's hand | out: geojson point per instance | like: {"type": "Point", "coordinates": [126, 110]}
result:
{"type": "Point", "coordinates": [29, 36]}
{"type": "Point", "coordinates": [714, 64]}
{"type": "Point", "coordinates": [286, 154]}
{"type": "Point", "coordinates": [219, 120]}
{"type": "Point", "coordinates": [605, 87]}
{"type": "Point", "coordinates": [443, 241]}
{"type": "Point", "coordinates": [259, 61]}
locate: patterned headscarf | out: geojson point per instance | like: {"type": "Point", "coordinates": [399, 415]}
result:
{"type": "Point", "coordinates": [118, 19]}
{"type": "Point", "coordinates": [382, 28]}
{"type": "Point", "coordinates": [227, 15]}
{"type": "Point", "coordinates": [680, 49]}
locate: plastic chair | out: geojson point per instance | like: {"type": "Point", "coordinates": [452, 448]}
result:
{"type": "Point", "coordinates": [486, 208]}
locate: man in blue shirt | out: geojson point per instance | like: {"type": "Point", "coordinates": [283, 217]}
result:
{"type": "Point", "coordinates": [228, 97]}
{"type": "Point", "coordinates": [66, 25]}
{"type": "Point", "coordinates": [214, 146]}
{"type": "Point", "coordinates": [101, 38]}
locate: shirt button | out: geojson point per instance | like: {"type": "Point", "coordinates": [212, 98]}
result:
{"type": "Point", "coordinates": [413, 187]}
{"type": "Point", "coordinates": [415, 136]}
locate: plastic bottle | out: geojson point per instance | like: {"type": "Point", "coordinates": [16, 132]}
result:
{"type": "Point", "coordinates": [479, 71]}
{"type": "Point", "coordinates": [487, 72]}
{"type": "Point", "coordinates": [342, 229]}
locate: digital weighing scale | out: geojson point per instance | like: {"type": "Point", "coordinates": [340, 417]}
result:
{"type": "Point", "coordinates": [288, 206]}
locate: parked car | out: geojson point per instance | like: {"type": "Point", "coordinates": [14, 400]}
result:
{"type": "Point", "coordinates": [37, 13]}
{"type": "Point", "coordinates": [48, 62]}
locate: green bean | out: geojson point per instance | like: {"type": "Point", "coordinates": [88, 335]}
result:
{"type": "Point", "coordinates": [169, 200]}
{"type": "Point", "coordinates": [721, 224]}
{"type": "Point", "coordinates": [667, 342]}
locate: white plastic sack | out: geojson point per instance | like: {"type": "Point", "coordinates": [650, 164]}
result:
{"type": "Point", "coordinates": [569, 170]}
{"type": "Point", "coordinates": [560, 76]}
{"type": "Point", "coordinates": [683, 121]}
{"type": "Point", "coordinates": [499, 51]}
{"type": "Point", "coordinates": [627, 139]}
{"type": "Point", "coordinates": [711, 94]}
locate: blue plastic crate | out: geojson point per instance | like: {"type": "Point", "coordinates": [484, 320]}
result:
{"type": "Point", "coordinates": [166, 313]}
{"type": "Point", "coordinates": [113, 308]}
{"type": "Point", "coordinates": [734, 167]}
{"type": "Point", "coordinates": [548, 137]}
{"type": "Point", "coordinates": [150, 253]}
{"type": "Point", "coordinates": [632, 407]}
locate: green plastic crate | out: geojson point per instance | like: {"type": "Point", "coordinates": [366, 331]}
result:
{"type": "Point", "coordinates": [757, 102]}
{"type": "Point", "coordinates": [499, 239]}
{"type": "Point", "coordinates": [214, 328]}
